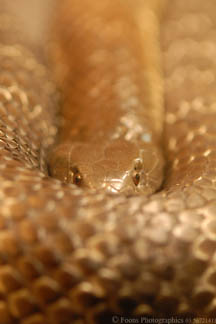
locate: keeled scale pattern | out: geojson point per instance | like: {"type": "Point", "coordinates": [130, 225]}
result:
{"type": "Point", "coordinates": [68, 256]}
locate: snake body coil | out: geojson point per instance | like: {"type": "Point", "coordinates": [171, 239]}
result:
{"type": "Point", "coordinates": [69, 255]}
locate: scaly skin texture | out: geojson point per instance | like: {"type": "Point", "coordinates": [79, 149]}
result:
{"type": "Point", "coordinates": [110, 140]}
{"type": "Point", "coordinates": [75, 256]}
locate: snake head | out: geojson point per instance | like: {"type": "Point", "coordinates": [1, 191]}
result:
{"type": "Point", "coordinates": [117, 167]}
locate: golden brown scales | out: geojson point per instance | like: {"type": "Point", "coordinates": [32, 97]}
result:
{"type": "Point", "coordinates": [72, 256]}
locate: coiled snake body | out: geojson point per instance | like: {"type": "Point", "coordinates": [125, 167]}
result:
{"type": "Point", "coordinates": [69, 255]}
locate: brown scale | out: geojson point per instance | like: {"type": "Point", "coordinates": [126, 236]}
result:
{"type": "Point", "coordinates": [146, 256]}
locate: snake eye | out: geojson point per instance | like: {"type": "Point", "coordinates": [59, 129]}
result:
{"type": "Point", "coordinates": [75, 176]}
{"type": "Point", "coordinates": [138, 164]}
{"type": "Point", "coordinates": [78, 179]}
{"type": "Point", "coordinates": [136, 179]}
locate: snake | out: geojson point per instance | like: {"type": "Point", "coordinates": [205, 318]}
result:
{"type": "Point", "coordinates": [116, 147]}
{"type": "Point", "coordinates": [74, 253]}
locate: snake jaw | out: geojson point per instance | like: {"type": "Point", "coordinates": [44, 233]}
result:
{"type": "Point", "coordinates": [112, 186]}
{"type": "Point", "coordinates": [118, 184]}
{"type": "Point", "coordinates": [129, 184]}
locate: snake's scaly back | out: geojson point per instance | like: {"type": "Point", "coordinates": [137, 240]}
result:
{"type": "Point", "coordinates": [69, 255]}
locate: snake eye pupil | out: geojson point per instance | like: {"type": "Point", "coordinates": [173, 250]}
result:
{"type": "Point", "coordinates": [77, 179]}
{"type": "Point", "coordinates": [136, 179]}
{"type": "Point", "coordinates": [75, 176]}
